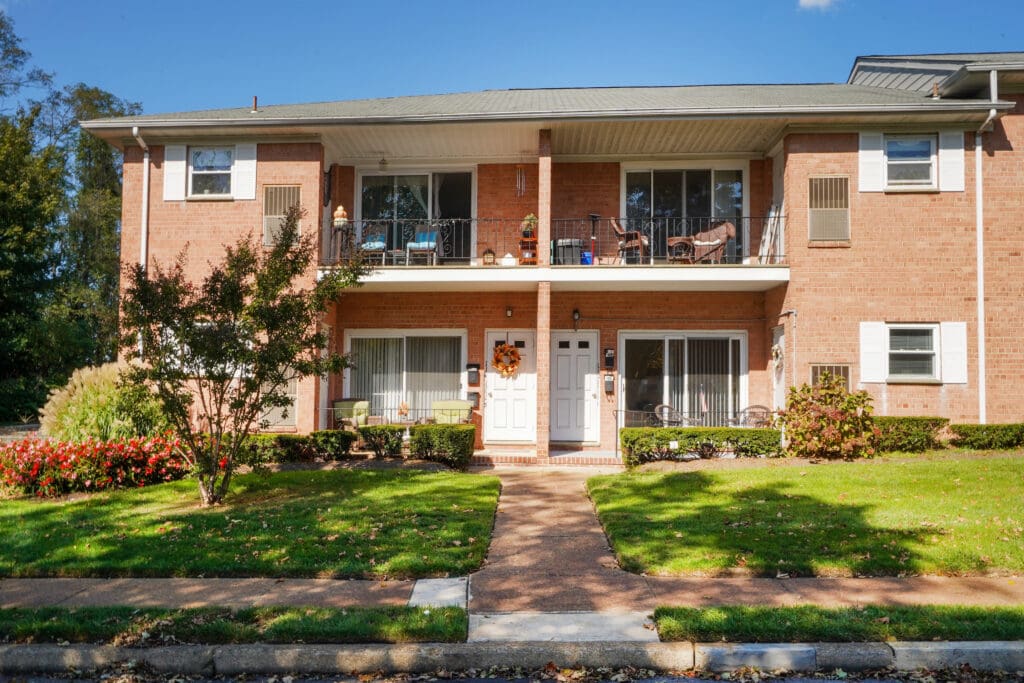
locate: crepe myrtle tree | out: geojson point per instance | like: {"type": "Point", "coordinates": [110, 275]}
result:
{"type": "Point", "coordinates": [220, 353]}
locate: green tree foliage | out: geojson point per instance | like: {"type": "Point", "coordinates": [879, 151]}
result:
{"type": "Point", "coordinates": [60, 207]}
{"type": "Point", "coordinates": [30, 197]}
{"type": "Point", "coordinates": [220, 353]}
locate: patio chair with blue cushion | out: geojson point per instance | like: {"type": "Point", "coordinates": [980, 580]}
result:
{"type": "Point", "coordinates": [450, 412]}
{"type": "Point", "coordinates": [375, 244]}
{"type": "Point", "coordinates": [425, 243]}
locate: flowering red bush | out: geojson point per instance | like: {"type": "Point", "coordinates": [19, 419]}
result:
{"type": "Point", "coordinates": [52, 468]}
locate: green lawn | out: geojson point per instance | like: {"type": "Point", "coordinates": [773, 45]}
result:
{"type": "Point", "coordinates": [844, 625]}
{"type": "Point", "coordinates": [860, 518]}
{"type": "Point", "coordinates": [127, 626]}
{"type": "Point", "coordinates": [343, 523]}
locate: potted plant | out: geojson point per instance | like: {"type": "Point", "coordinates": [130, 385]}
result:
{"type": "Point", "coordinates": [528, 225]}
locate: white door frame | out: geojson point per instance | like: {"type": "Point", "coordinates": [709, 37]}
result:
{"type": "Point", "coordinates": [592, 398]}
{"type": "Point", "coordinates": [531, 434]}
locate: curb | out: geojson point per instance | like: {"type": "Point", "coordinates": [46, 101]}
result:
{"type": "Point", "coordinates": [233, 660]}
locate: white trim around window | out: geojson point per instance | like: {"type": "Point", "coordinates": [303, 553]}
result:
{"type": "Point", "coordinates": [913, 353]}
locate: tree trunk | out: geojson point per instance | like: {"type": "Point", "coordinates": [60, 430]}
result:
{"type": "Point", "coordinates": [209, 492]}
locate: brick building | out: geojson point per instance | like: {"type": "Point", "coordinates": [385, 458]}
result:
{"type": "Point", "coordinates": [701, 248]}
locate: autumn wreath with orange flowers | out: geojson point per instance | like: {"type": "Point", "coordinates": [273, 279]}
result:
{"type": "Point", "coordinates": [506, 359]}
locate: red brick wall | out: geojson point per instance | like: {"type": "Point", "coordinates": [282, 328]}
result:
{"type": "Point", "coordinates": [580, 189]}
{"type": "Point", "coordinates": [205, 227]}
{"type": "Point", "coordinates": [910, 259]}
{"type": "Point", "coordinates": [1003, 172]}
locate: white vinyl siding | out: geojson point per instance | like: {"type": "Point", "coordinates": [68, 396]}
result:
{"type": "Point", "coordinates": [913, 352]}
{"type": "Point", "coordinates": [210, 171]}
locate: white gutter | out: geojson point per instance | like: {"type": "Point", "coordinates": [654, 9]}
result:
{"type": "Point", "coordinates": [979, 229]}
{"type": "Point", "coordinates": [144, 227]}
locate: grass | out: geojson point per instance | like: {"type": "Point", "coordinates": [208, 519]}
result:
{"type": "Point", "coordinates": [333, 524]}
{"type": "Point", "coordinates": [842, 625]}
{"type": "Point", "coordinates": [892, 518]}
{"type": "Point", "coordinates": [127, 626]}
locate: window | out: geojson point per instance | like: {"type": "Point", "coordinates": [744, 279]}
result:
{"type": "Point", "coordinates": [828, 208]}
{"type": "Point", "coordinates": [700, 376]}
{"type": "Point", "coordinates": [284, 417]}
{"type": "Point", "coordinates": [835, 370]}
{"type": "Point", "coordinates": [209, 170]}
{"type": "Point", "coordinates": [910, 161]}
{"type": "Point", "coordinates": [277, 199]}
{"type": "Point", "coordinates": [675, 203]}
{"type": "Point", "coordinates": [415, 370]}
{"type": "Point", "coordinates": [913, 352]}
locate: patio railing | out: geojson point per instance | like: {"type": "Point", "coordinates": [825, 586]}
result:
{"type": "Point", "coordinates": [574, 241]}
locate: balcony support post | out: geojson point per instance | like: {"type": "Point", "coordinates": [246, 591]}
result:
{"type": "Point", "coordinates": [544, 199]}
{"type": "Point", "coordinates": [543, 369]}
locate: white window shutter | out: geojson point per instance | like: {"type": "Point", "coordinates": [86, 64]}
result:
{"type": "Point", "coordinates": [874, 352]}
{"type": "Point", "coordinates": [174, 172]}
{"type": "Point", "coordinates": [951, 161]}
{"type": "Point", "coordinates": [954, 352]}
{"type": "Point", "coordinates": [243, 172]}
{"type": "Point", "coordinates": [871, 163]}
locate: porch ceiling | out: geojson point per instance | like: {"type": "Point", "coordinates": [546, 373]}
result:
{"type": "Point", "coordinates": [615, 140]}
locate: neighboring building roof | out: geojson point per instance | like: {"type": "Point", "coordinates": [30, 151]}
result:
{"type": "Point", "coordinates": [566, 103]}
{"type": "Point", "coordinates": [920, 73]}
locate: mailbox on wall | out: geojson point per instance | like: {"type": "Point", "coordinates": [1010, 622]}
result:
{"type": "Point", "coordinates": [609, 383]}
{"type": "Point", "coordinates": [473, 374]}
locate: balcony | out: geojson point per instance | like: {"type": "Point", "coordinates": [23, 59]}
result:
{"type": "Point", "coordinates": [593, 253]}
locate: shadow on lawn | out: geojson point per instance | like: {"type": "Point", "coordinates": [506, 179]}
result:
{"type": "Point", "coordinates": [693, 524]}
{"type": "Point", "coordinates": [335, 525]}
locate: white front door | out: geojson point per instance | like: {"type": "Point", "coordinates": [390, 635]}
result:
{"type": "Point", "coordinates": [574, 387]}
{"type": "Point", "coordinates": [510, 403]}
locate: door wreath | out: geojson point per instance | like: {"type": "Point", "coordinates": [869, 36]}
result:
{"type": "Point", "coordinates": [506, 359]}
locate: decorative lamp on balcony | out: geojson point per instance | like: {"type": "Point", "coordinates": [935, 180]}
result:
{"type": "Point", "coordinates": [340, 217]}
{"type": "Point", "coordinates": [488, 257]}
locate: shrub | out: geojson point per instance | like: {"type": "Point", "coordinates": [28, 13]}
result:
{"type": "Point", "coordinates": [827, 421]}
{"type": "Point", "coordinates": [987, 437]}
{"type": "Point", "coordinates": [333, 444]}
{"type": "Point", "coordinates": [448, 444]}
{"type": "Point", "coordinates": [48, 467]}
{"type": "Point", "coordinates": [96, 404]}
{"type": "Point", "coordinates": [909, 434]}
{"type": "Point", "coordinates": [384, 440]}
{"type": "Point", "coordinates": [648, 444]}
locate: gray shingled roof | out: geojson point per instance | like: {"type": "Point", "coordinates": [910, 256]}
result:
{"type": "Point", "coordinates": [955, 57]}
{"type": "Point", "coordinates": [554, 103]}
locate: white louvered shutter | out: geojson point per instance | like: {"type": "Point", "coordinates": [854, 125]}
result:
{"type": "Point", "coordinates": [951, 161]}
{"type": "Point", "coordinates": [874, 352]}
{"type": "Point", "coordinates": [871, 164]}
{"type": "Point", "coordinates": [175, 172]}
{"type": "Point", "coordinates": [954, 352]}
{"type": "Point", "coordinates": [243, 172]}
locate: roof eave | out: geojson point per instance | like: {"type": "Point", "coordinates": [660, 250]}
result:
{"type": "Point", "coordinates": [926, 106]}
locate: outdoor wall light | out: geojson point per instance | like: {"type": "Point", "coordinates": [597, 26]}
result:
{"type": "Point", "coordinates": [489, 257]}
{"type": "Point", "coordinates": [508, 311]}
{"type": "Point", "coordinates": [576, 315]}
{"type": "Point", "coordinates": [382, 165]}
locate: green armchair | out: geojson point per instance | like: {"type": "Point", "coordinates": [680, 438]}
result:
{"type": "Point", "coordinates": [351, 412]}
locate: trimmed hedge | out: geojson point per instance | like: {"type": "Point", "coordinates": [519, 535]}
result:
{"type": "Point", "coordinates": [988, 437]}
{"type": "Point", "coordinates": [281, 448]}
{"type": "Point", "coordinates": [384, 440]}
{"type": "Point", "coordinates": [444, 443]}
{"type": "Point", "coordinates": [909, 434]}
{"type": "Point", "coordinates": [648, 444]}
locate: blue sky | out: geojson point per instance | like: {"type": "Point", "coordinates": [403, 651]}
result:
{"type": "Point", "coordinates": [219, 53]}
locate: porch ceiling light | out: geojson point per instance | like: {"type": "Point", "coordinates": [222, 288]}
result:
{"type": "Point", "coordinates": [382, 165]}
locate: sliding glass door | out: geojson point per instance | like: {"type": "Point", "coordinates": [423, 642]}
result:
{"type": "Point", "coordinates": [677, 203]}
{"type": "Point", "coordinates": [397, 208]}
{"type": "Point", "coordinates": [700, 376]}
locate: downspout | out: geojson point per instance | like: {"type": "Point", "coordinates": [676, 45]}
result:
{"type": "Point", "coordinates": [144, 227]}
{"type": "Point", "coordinates": [979, 229]}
